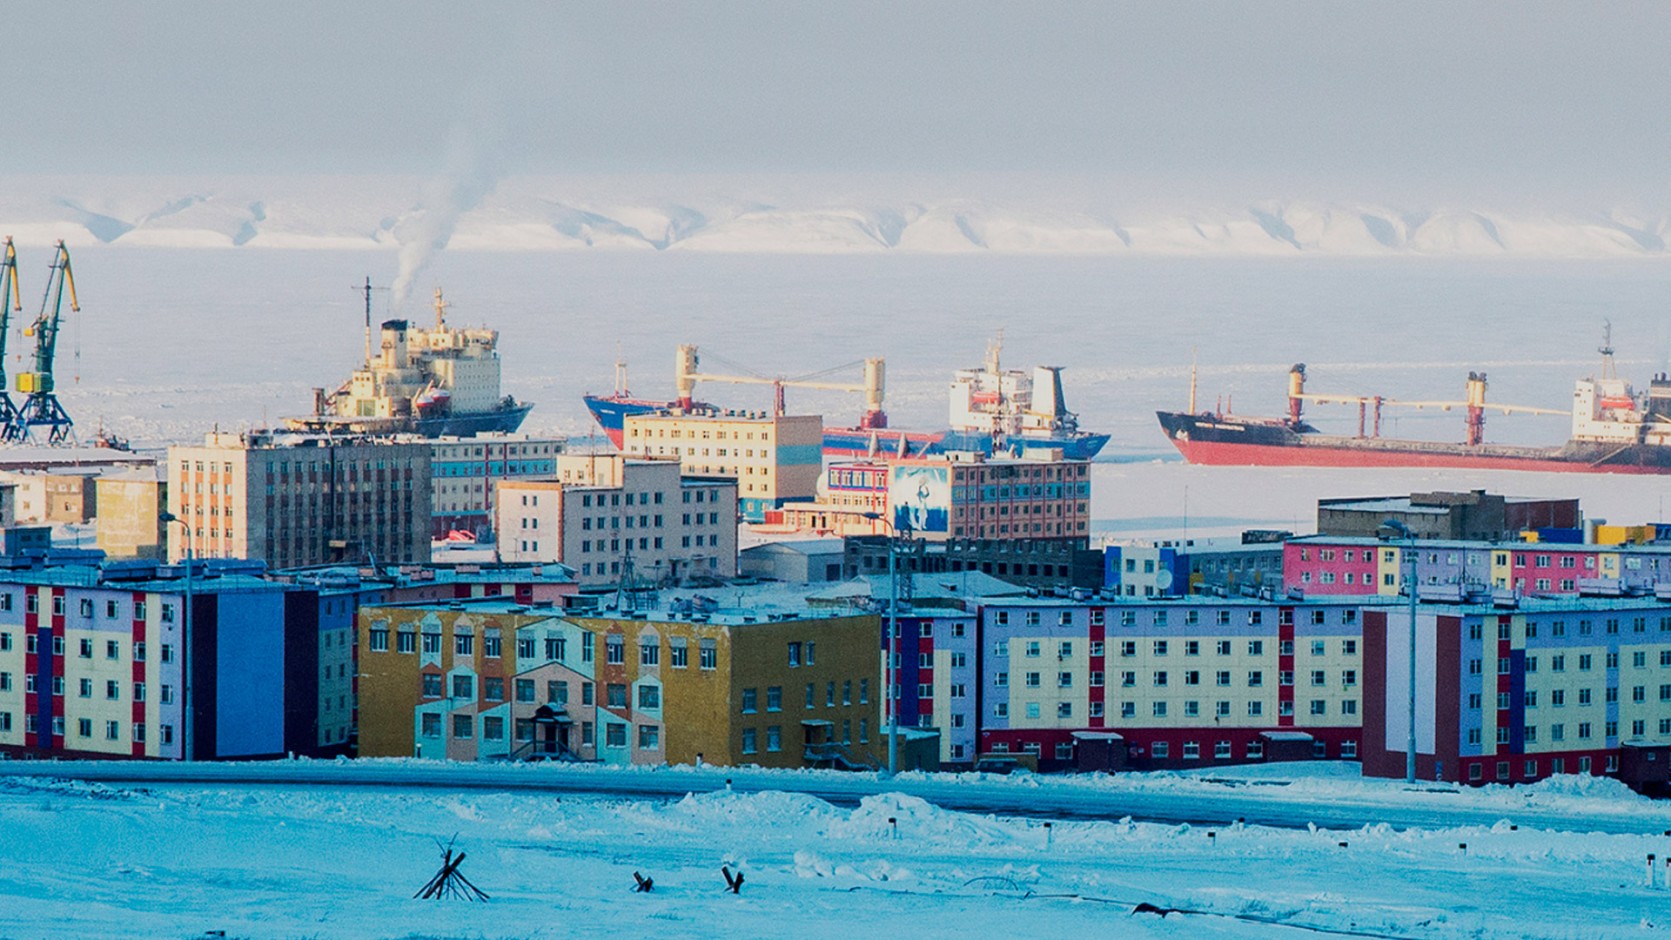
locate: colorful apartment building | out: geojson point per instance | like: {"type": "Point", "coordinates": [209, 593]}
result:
{"type": "Point", "coordinates": [470, 681]}
{"type": "Point", "coordinates": [774, 458]}
{"type": "Point", "coordinates": [466, 470]}
{"type": "Point", "coordinates": [852, 500]}
{"type": "Point", "coordinates": [298, 499]}
{"type": "Point", "coordinates": [1333, 565]}
{"type": "Point", "coordinates": [105, 662]}
{"type": "Point", "coordinates": [1185, 682]}
{"type": "Point", "coordinates": [936, 678]}
{"type": "Point", "coordinates": [611, 509]}
{"type": "Point", "coordinates": [1515, 692]}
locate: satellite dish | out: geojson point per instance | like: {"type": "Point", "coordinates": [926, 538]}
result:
{"type": "Point", "coordinates": [1163, 579]}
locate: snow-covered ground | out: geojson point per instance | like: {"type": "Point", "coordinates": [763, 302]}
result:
{"type": "Point", "coordinates": [171, 860]}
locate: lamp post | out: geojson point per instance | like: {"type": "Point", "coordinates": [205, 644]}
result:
{"type": "Point", "coordinates": [188, 725]}
{"type": "Point", "coordinates": [1410, 585]}
{"type": "Point", "coordinates": [892, 672]}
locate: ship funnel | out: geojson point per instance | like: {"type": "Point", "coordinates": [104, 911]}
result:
{"type": "Point", "coordinates": [1048, 399]}
{"type": "Point", "coordinates": [1659, 396]}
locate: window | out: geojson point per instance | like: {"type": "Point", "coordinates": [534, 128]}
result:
{"type": "Point", "coordinates": [493, 689]}
{"type": "Point", "coordinates": [615, 650]}
{"type": "Point", "coordinates": [677, 653]}
{"type": "Point", "coordinates": [794, 654]}
{"type": "Point", "coordinates": [464, 726]}
{"type": "Point", "coordinates": [1255, 678]}
{"type": "Point", "coordinates": [749, 741]}
{"type": "Point", "coordinates": [463, 687]}
{"type": "Point", "coordinates": [649, 652]}
{"type": "Point", "coordinates": [615, 735]}
{"type": "Point", "coordinates": [464, 644]}
{"type": "Point", "coordinates": [708, 654]}
{"type": "Point", "coordinates": [774, 698]}
{"type": "Point", "coordinates": [525, 690]}
{"type": "Point", "coordinates": [379, 637]}
{"type": "Point", "coordinates": [649, 738]}
{"type": "Point", "coordinates": [750, 697]}
{"type": "Point", "coordinates": [405, 641]}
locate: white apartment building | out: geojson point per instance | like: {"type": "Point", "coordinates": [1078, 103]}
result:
{"type": "Point", "coordinates": [602, 511]}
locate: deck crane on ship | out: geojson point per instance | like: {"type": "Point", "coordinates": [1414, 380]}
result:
{"type": "Point", "coordinates": [685, 377]}
{"type": "Point", "coordinates": [41, 408]}
{"type": "Point", "coordinates": [10, 300]}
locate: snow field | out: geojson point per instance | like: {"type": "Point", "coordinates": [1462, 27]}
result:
{"type": "Point", "coordinates": [174, 861]}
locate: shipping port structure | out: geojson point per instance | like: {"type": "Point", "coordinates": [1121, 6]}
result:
{"type": "Point", "coordinates": [439, 382]}
{"type": "Point", "coordinates": [1614, 430]}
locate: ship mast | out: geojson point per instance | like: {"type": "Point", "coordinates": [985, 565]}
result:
{"type": "Point", "coordinates": [620, 374]}
{"type": "Point", "coordinates": [366, 290]}
{"type": "Point", "coordinates": [1608, 371]}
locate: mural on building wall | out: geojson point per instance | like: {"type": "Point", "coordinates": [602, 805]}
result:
{"type": "Point", "coordinates": [920, 498]}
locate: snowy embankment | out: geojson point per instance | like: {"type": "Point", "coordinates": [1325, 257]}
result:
{"type": "Point", "coordinates": [800, 216]}
{"type": "Point", "coordinates": [1293, 795]}
{"type": "Point", "coordinates": [168, 860]}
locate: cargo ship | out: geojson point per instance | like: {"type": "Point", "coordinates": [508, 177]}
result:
{"type": "Point", "coordinates": [992, 411]}
{"type": "Point", "coordinates": [439, 382]}
{"type": "Point", "coordinates": [1614, 430]}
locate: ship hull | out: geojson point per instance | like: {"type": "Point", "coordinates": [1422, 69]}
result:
{"type": "Point", "coordinates": [502, 421]}
{"type": "Point", "coordinates": [611, 413]}
{"type": "Point", "coordinates": [1216, 441]}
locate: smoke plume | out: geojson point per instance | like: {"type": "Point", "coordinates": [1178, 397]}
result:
{"type": "Point", "coordinates": [466, 179]}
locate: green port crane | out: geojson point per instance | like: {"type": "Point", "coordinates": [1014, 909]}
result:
{"type": "Point", "coordinates": [41, 409]}
{"type": "Point", "coordinates": [10, 300]}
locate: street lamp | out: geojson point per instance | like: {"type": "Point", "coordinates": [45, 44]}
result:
{"type": "Point", "coordinates": [188, 726]}
{"type": "Point", "coordinates": [891, 694]}
{"type": "Point", "coordinates": [1409, 537]}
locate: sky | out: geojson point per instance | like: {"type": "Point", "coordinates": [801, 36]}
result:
{"type": "Point", "coordinates": [1542, 100]}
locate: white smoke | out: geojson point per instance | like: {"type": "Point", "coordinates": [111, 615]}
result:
{"type": "Point", "coordinates": [466, 179]}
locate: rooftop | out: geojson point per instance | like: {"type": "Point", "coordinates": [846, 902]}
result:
{"type": "Point", "coordinates": [802, 546]}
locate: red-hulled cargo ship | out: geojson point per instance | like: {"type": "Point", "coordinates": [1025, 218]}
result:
{"type": "Point", "coordinates": [1614, 430]}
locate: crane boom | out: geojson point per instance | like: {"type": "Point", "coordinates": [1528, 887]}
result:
{"type": "Point", "coordinates": [686, 376]}
{"type": "Point", "coordinates": [42, 408]}
{"type": "Point", "coordinates": [10, 299]}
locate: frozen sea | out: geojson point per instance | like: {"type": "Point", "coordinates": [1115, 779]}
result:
{"type": "Point", "coordinates": [172, 342]}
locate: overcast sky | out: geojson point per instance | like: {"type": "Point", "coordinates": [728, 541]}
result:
{"type": "Point", "coordinates": [1554, 100]}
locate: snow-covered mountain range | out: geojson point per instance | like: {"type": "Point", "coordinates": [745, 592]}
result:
{"type": "Point", "coordinates": [538, 214]}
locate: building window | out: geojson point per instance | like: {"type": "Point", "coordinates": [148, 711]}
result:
{"type": "Point", "coordinates": [463, 687]}
{"type": "Point", "coordinates": [708, 654]}
{"type": "Point", "coordinates": [749, 701]}
{"type": "Point", "coordinates": [379, 637]}
{"type": "Point", "coordinates": [750, 741]}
